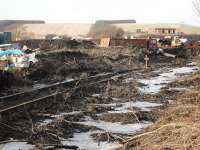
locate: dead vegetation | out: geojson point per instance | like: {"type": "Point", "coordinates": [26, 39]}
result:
{"type": "Point", "coordinates": [191, 81]}
{"type": "Point", "coordinates": [59, 66]}
{"type": "Point", "coordinates": [178, 127]}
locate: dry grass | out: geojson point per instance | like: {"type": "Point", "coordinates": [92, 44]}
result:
{"type": "Point", "coordinates": [190, 97]}
{"type": "Point", "coordinates": [171, 136]}
{"type": "Point", "coordinates": [177, 129]}
{"type": "Point", "coordinates": [192, 80]}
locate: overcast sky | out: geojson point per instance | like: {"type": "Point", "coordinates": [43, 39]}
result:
{"type": "Point", "coordinates": [144, 11]}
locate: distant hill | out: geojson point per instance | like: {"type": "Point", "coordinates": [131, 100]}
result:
{"type": "Point", "coordinates": [70, 29]}
{"type": "Point", "coordinates": [81, 29]}
{"type": "Point", "coordinates": [34, 30]}
{"type": "Point", "coordinates": [5, 23]}
{"type": "Point", "coordinates": [105, 22]}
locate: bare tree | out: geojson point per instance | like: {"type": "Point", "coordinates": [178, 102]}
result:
{"type": "Point", "coordinates": [196, 5]}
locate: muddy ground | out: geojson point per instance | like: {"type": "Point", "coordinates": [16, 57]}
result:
{"type": "Point", "coordinates": [108, 111]}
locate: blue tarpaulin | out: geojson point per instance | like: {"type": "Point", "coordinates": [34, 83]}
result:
{"type": "Point", "coordinates": [11, 52]}
{"type": "Point", "coordinates": [1, 53]}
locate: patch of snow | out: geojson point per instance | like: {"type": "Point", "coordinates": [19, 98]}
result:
{"type": "Point", "coordinates": [125, 107]}
{"type": "Point", "coordinates": [45, 122]}
{"type": "Point", "coordinates": [96, 95]}
{"type": "Point", "coordinates": [153, 85]}
{"type": "Point", "coordinates": [48, 121]}
{"type": "Point", "coordinates": [65, 114]}
{"type": "Point", "coordinates": [116, 127]}
{"type": "Point", "coordinates": [144, 106]}
{"type": "Point", "coordinates": [170, 101]}
{"type": "Point", "coordinates": [192, 64]}
{"type": "Point", "coordinates": [116, 99]}
{"type": "Point", "coordinates": [66, 80]}
{"type": "Point", "coordinates": [37, 86]}
{"type": "Point", "coordinates": [69, 80]}
{"type": "Point", "coordinates": [16, 146]}
{"type": "Point", "coordinates": [119, 75]}
{"type": "Point", "coordinates": [85, 142]}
